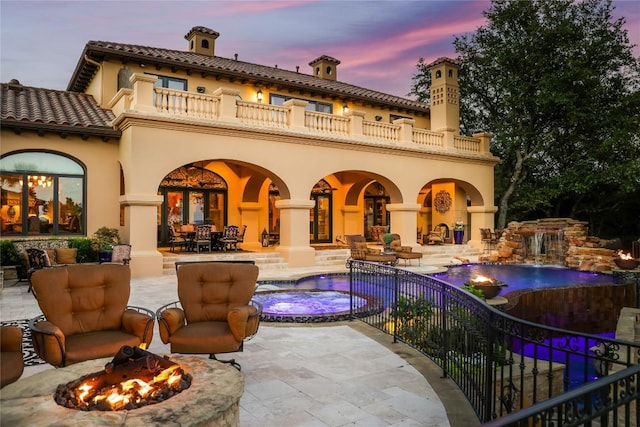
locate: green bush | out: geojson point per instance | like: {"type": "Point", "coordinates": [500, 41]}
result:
{"type": "Point", "coordinates": [7, 255]}
{"type": "Point", "coordinates": [86, 252]}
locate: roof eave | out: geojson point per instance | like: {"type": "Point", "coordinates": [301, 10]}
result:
{"type": "Point", "coordinates": [41, 128]}
{"type": "Point", "coordinates": [85, 68]}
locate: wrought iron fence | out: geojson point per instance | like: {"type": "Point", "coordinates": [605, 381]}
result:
{"type": "Point", "coordinates": [501, 363]}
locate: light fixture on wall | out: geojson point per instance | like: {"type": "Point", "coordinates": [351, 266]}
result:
{"type": "Point", "coordinates": [259, 95]}
{"type": "Point", "coordinates": [38, 181]}
{"type": "Point", "coordinates": [345, 109]}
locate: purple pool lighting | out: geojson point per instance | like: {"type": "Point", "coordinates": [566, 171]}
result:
{"type": "Point", "coordinates": [313, 305]}
{"type": "Point", "coordinates": [519, 277]}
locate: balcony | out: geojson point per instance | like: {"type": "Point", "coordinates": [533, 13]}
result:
{"type": "Point", "coordinates": [223, 106]}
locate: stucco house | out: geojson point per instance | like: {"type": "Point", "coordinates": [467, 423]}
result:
{"type": "Point", "coordinates": [146, 137]}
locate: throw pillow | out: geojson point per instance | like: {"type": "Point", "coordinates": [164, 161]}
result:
{"type": "Point", "coordinates": [66, 256]}
{"type": "Point", "coordinates": [51, 253]}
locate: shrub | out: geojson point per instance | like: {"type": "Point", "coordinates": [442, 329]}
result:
{"type": "Point", "coordinates": [7, 255]}
{"type": "Point", "coordinates": [86, 253]}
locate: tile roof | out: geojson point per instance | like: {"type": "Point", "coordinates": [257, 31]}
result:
{"type": "Point", "coordinates": [54, 110]}
{"type": "Point", "coordinates": [231, 68]}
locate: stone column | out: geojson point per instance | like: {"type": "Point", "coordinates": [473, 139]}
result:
{"type": "Point", "coordinates": [294, 232]}
{"type": "Point", "coordinates": [481, 217]}
{"type": "Point", "coordinates": [353, 222]}
{"type": "Point", "coordinates": [296, 115]}
{"type": "Point", "coordinates": [227, 109]}
{"type": "Point", "coordinates": [250, 213]}
{"type": "Point", "coordinates": [406, 130]}
{"type": "Point", "coordinates": [356, 119]}
{"type": "Point", "coordinates": [142, 91]}
{"type": "Point", "coordinates": [142, 210]}
{"type": "Point", "coordinates": [404, 221]}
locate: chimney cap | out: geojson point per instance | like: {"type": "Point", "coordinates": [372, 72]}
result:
{"type": "Point", "coordinates": [202, 30]}
{"type": "Point", "coordinates": [326, 58]}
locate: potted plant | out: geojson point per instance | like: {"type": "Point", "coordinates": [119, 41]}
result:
{"type": "Point", "coordinates": [387, 238]}
{"type": "Point", "coordinates": [103, 240]}
{"type": "Point", "coordinates": [458, 232]}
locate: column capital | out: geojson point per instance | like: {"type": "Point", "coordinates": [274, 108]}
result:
{"type": "Point", "coordinates": [295, 204]}
{"type": "Point", "coordinates": [400, 207]}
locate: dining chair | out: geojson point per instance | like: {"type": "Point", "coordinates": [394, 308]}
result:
{"type": "Point", "coordinates": [203, 237]}
{"type": "Point", "coordinates": [241, 231]}
{"type": "Point", "coordinates": [174, 240]}
{"type": "Point", "coordinates": [229, 237]}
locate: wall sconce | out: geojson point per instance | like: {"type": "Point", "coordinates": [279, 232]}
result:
{"type": "Point", "coordinates": [378, 118]}
{"type": "Point", "coordinates": [200, 89]}
{"type": "Point", "coordinates": [345, 109]}
{"type": "Point", "coordinates": [259, 95]}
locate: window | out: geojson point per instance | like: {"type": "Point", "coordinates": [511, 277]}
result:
{"type": "Point", "coordinates": [321, 107]}
{"type": "Point", "coordinates": [42, 194]}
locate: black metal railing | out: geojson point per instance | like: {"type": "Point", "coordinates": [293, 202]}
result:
{"type": "Point", "coordinates": [501, 363]}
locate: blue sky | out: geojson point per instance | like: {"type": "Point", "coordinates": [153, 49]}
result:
{"type": "Point", "coordinates": [378, 42]}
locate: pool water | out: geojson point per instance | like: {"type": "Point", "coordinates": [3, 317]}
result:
{"type": "Point", "coordinates": [518, 277]}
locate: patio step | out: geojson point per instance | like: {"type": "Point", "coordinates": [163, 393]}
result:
{"type": "Point", "coordinates": [264, 260]}
{"type": "Point", "coordinates": [432, 255]}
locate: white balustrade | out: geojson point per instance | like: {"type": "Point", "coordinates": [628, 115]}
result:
{"type": "Point", "coordinates": [326, 123]}
{"type": "Point", "coordinates": [263, 114]}
{"type": "Point", "coordinates": [181, 103]}
{"type": "Point", "coordinates": [465, 143]}
{"type": "Point", "coordinates": [377, 130]}
{"type": "Point", "coordinates": [428, 138]}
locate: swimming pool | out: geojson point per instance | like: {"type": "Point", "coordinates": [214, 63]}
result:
{"type": "Point", "coordinates": [519, 277]}
{"type": "Point", "coordinates": [303, 302]}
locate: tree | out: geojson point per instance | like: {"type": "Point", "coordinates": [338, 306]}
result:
{"type": "Point", "coordinates": [557, 83]}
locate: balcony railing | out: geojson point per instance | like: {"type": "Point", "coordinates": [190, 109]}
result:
{"type": "Point", "coordinates": [224, 105]}
{"type": "Point", "coordinates": [501, 363]}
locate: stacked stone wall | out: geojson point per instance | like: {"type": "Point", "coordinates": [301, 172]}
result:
{"type": "Point", "coordinates": [566, 242]}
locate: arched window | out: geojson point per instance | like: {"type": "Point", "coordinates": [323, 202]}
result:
{"type": "Point", "coordinates": [43, 193]}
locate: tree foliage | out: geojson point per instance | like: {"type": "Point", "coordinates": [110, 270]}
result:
{"type": "Point", "coordinates": [557, 83]}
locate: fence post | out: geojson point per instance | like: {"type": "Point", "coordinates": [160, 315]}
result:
{"type": "Point", "coordinates": [396, 292]}
{"type": "Point", "coordinates": [443, 331]}
{"type": "Point", "coordinates": [489, 389]}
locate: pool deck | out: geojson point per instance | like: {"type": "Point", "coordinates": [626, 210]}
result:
{"type": "Point", "coordinates": [324, 374]}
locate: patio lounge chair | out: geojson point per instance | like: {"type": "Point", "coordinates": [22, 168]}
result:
{"type": "Point", "coordinates": [404, 252]}
{"type": "Point", "coordinates": [360, 251]}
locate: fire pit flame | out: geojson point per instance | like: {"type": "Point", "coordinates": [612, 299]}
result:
{"type": "Point", "coordinates": [134, 378]}
{"type": "Point", "coordinates": [482, 280]}
{"type": "Point", "coordinates": [622, 255]}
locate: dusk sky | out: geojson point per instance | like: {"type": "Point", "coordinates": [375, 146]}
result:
{"type": "Point", "coordinates": [378, 42]}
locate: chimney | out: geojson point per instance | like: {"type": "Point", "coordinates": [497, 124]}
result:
{"type": "Point", "coordinates": [202, 40]}
{"type": "Point", "coordinates": [325, 67]}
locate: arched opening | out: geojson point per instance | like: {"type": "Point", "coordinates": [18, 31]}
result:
{"type": "Point", "coordinates": [192, 194]}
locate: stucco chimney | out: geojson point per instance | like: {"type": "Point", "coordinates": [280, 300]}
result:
{"type": "Point", "coordinates": [325, 67]}
{"type": "Point", "coordinates": [202, 40]}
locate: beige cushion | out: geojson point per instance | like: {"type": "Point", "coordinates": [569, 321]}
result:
{"type": "Point", "coordinates": [66, 256]}
{"type": "Point", "coordinates": [361, 245]}
{"type": "Point", "coordinates": [51, 253]}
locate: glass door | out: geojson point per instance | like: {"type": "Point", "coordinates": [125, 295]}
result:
{"type": "Point", "coordinates": [320, 219]}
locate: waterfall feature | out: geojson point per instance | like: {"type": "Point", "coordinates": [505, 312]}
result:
{"type": "Point", "coordinates": [544, 247]}
{"type": "Point", "coordinates": [536, 246]}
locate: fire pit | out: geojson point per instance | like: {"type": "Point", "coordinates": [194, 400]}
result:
{"type": "Point", "coordinates": [625, 262]}
{"type": "Point", "coordinates": [212, 399]}
{"type": "Point", "coordinates": [489, 286]}
{"type": "Point", "coordinates": [133, 379]}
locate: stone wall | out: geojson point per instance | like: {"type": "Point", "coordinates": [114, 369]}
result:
{"type": "Point", "coordinates": [553, 241]}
